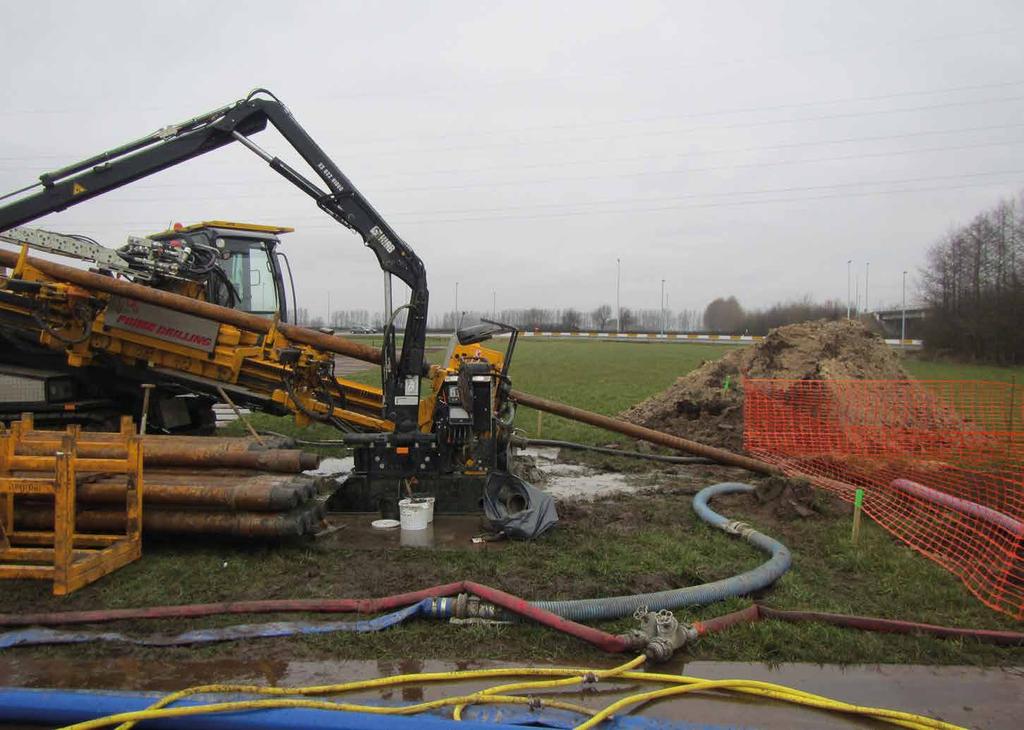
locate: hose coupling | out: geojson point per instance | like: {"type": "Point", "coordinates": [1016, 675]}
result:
{"type": "Point", "coordinates": [466, 605]}
{"type": "Point", "coordinates": [663, 633]}
{"type": "Point", "coordinates": [737, 527]}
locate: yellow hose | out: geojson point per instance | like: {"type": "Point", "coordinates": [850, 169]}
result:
{"type": "Point", "coordinates": [555, 677]}
{"type": "Point", "coordinates": [552, 683]}
{"type": "Point", "coordinates": [244, 705]}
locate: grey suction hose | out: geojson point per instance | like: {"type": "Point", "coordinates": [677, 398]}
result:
{"type": "Point", "coordinates": [614, 452]}
{"type": "Point", "coordinates": [612, 607]}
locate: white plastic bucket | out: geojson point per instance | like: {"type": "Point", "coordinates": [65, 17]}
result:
{"type": "Point", "coordinates": [415, 514]}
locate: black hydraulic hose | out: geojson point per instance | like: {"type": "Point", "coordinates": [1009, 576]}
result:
{"type": "Point", "coordinates": [613, 452]}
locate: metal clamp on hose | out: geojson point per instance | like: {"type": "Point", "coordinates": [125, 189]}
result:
{"type": "Point", "coordinates": [737, 527]}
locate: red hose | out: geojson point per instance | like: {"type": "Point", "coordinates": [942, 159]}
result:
{"type": "Point", "coordinates": [284, 605]}
{"type": "Point", "coordinates": [892, 626]}
{"type": "Point", "coordinates": [748, 615]}
{"type": "Point", "coordinates": [601, 639]}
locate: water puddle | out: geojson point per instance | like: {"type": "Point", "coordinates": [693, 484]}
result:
{"type": "Point", "coordinates": [574, 481]}
{"type": "Point", "coordinates": [446, 532]}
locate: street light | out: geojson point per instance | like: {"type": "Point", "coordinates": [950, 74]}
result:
{"type": "Point", "coordinates": [618, 283]}
{"type": "Point", "coordinates": [662, 306]}
{"type": "Point", "coordinates": [903, 317]}
{"type": "Point", "coordinates": [867, 272]}
{"type": "Point", "coordinates": [494, 304]}
{"type": "Point", "coordinates": [849, 293]}
{"type": "Point", "coordinates": [456, 305]}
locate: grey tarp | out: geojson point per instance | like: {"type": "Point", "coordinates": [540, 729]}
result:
{"type": "Point", "coordinates": [519, 510]}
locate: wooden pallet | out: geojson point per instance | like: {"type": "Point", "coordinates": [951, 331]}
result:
{"type": "Point", "coordinates": [69, 558]}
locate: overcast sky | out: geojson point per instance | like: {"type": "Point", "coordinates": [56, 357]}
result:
{"type": "Point", "coordinates": [746, 148]}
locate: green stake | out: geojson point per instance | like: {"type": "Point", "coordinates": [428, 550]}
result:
{"type": "Point", "coordinates": [858, 503]}
{"type": "Point", "coordinates": [725, 385]}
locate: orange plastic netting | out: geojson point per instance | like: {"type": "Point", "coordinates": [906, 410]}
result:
{"type": "Point", "coordinates": [940, 463]}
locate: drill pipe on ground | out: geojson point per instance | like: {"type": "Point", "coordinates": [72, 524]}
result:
{"type": "Point", "coordinates": [196, 454]}
{"type": "Point", "coordinates": [233, 317]}
{"type": "Point", "coordinates": [341, 346]}
{"type": "Point", "coordinates": [250, 492]}
{"type": "Point", "coordinates": [644, 434]}
{"type": "Point", "coordinates": [303, 520]}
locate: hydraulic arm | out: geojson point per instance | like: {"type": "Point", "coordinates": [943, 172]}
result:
{"type": "Point", "coordinates": [448, 443]}
{"type": "Point", "coordinates": [236, 122]}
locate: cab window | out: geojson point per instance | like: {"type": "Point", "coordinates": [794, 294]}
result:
{"type": "Point", "coordinates": [249, 271]}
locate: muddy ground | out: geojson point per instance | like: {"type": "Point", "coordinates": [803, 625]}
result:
{"type": "Point", "coordinates": [639, 541]}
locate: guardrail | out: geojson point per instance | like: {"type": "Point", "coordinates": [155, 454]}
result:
{"type": "Point", "coordinates": [683, 337]}
{"type": "Point", "coordinates": [669, 337]}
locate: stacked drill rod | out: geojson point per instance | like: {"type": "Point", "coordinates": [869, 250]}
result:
{"type": "Point", "coordinates": [235, 487]}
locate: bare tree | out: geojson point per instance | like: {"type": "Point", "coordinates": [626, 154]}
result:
{"type": "Point", "coordinates": [973, 284]}
{"type": "Point", "coordinates": [626, 318]}
{"type": "Point", "coordinates": [601, 316]}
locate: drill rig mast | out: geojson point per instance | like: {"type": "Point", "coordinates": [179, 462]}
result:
{"type": "Point", "coordinates": [451, 441]}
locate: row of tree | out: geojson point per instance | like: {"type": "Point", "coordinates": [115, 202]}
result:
{"type": "Point", "coordinates": [723, 315]}
{"type": "Point", "coordinates": [973, 284]}
{"type": "Point", "coordinates": [726, 315]}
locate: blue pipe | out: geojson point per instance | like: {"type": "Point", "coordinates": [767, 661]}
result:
{"type": "Point", "coordinates": [52, 708]}
{"type": "Point", "coordinates": [57, 708]}
{"type": "Point", "coordinates": [612, 607]}
{"type": "Point", "coordinates": [35, 636]}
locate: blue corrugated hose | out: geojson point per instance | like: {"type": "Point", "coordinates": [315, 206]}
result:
{"type": "Point", "coordinates": [598, 609]}
{"type": "Point", "coordinates": [580, 610]}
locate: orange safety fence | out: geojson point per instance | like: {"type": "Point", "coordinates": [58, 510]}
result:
{"type": "Point", "coordinates": [941, 464]}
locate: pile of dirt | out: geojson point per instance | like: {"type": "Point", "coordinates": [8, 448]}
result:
{"type": "Point", "coordinates": [706, 405]}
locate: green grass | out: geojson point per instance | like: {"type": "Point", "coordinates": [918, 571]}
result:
{"type": "Point", "coordinates": [625, 544]}
{"type": "Point", "coordinates": [925, 369]}
{"type": "Point", "coordinates": [608, 377]}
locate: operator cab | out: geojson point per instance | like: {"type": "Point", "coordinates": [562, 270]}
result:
{"type": "Point", "coordinates": [250, 260]}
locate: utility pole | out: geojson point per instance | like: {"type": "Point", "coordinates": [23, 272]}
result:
{"type": "Point", "coordinates": [618, 283]}
{"type": "Point", "coordinates": [662, 306]}
{"type": "Point", "coordinates": [867, 272]}
{"type": "Point", "coordinates": [456, 305]}
{"type": "Point", "coordinates": [903, 318]}
{"type": "Point", "coordinates": [494, 305]}
{"type": "Point", "coordinates": [328, 307]}
{"type": "Point", "coordinates": [849, 293]}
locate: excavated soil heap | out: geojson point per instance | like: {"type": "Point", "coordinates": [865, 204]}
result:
{"type": "Point", "coordinates": [706, 405]}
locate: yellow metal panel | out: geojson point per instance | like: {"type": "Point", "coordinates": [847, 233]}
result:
{"type": "Point", "coordinates": [230, 225]}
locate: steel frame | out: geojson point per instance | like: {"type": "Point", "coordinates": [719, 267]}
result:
{"type": "Point", "coordinates": [69, 558]}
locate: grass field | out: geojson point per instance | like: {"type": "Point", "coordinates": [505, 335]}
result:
{"type": "Point", "coordinates": [608, 376]}
{"type": "Point", "coordinates": [644, 542]}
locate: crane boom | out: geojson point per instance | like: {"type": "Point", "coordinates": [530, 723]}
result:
{"type": "Point", "coordinates": [236, 122]}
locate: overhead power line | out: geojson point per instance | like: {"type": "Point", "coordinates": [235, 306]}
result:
{"type": "Point", "coordinates": [610, 176]}
{"type": "Point", "coordinates": [635, 205]}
